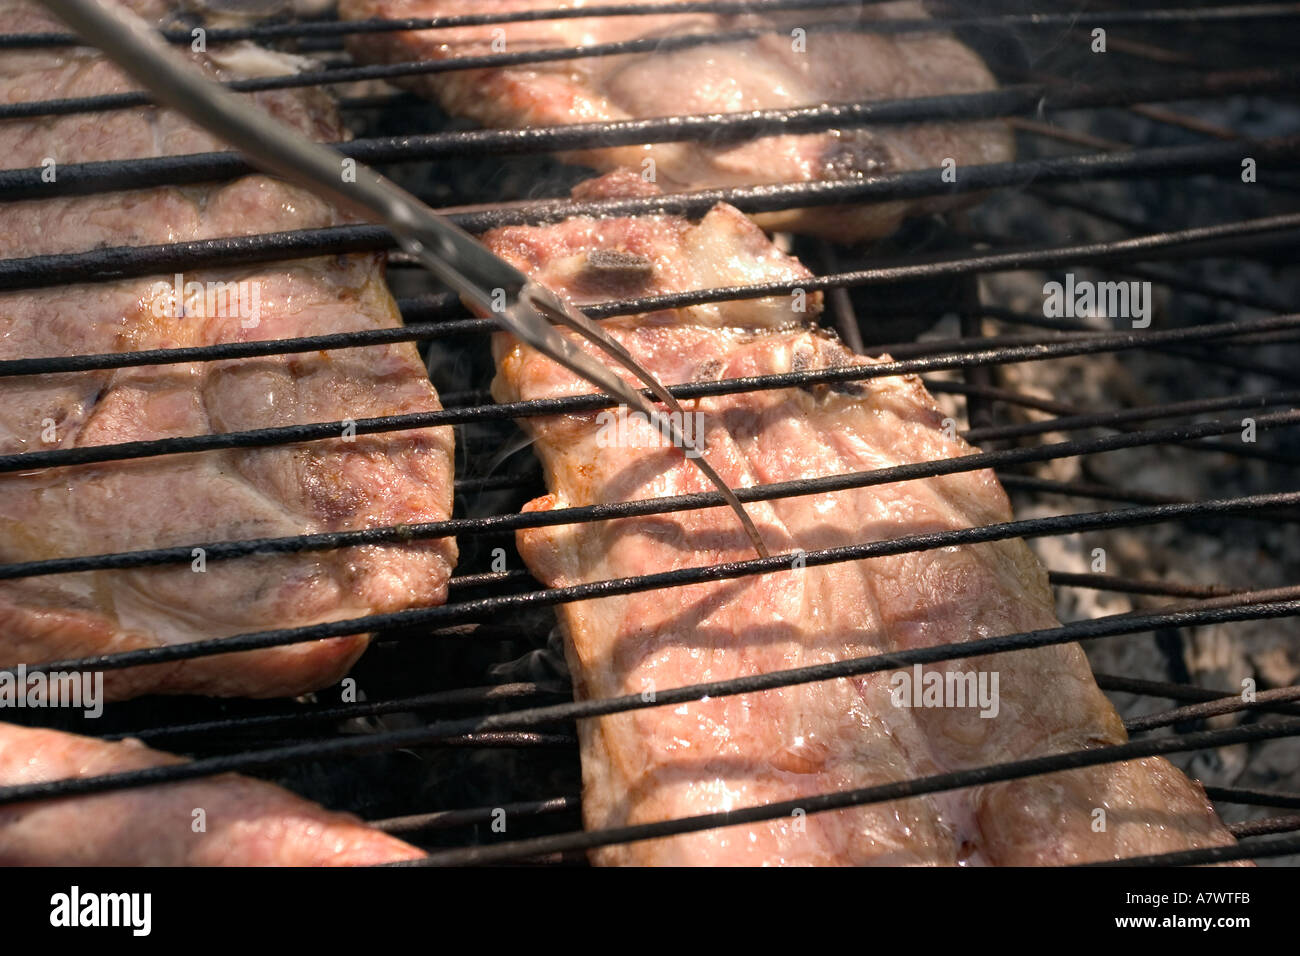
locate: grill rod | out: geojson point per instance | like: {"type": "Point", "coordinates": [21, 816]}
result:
{"type": "Point", "coordinates": [516, 692]}
{"type": "Point", "coordinates": [918, 786]}
{"type": "Point", "coordinates": [446, 304]}
{"type": "Point", "coordinates": [1256, 849]}
{"type": "Point", "coordinates": [442, 819]}
{"type": "Point", "coordinates": [134, 261]}
{"type": "Point", "coordinates": [662, 44]}
{"type": "Point", "coordinates": [1263, 798]}
{"type": "Point", "coordinates": [496, 693]}
{"type": "Point", "coordinates": [1260, 605]}
{"type": "Point", "coordinates": [334, 28]}
{"type": "Point", "coordinates": [446, 819]}
{"type": "Point", "coordinates": [288, 434]}
{"type": "Point", "coordinates": [714, 128]}
{"type": "Point", "coordinates": [1214, 358]}
{"type": "Point", "coordinates": [440, 305]}
{"type": "Point", "coordinates": [1230, 704]}
{"type": "Point", "coordinates": [470, 610]}
{"type": "Point", "coordinates": [331, 540]}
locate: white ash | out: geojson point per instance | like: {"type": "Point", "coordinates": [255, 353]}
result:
{"type": "Point", "coordinates": [1239, 555]}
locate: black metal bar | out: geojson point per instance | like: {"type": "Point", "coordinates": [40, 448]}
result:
{"type": "Point", "coordinates": [1255, 850]}
{"type": "Point", "coordinates": [1231, 704]}
{"type": "Point", "coordinates": [316, 431]}
{"type": "Point", "coordinates": [1276, 603]}
{"type": "Point", "coordinates": [1269, 825]}
{"type": "Point", "coordinates": [901, 790]}
{"type": "Point", "coordinates": [1068, 417]}
{"type": "Point", "coordinates": [331, 28]}
{"type": "Point", "coordinates": [445, 304]}
{"type": "Point", "coordinates": [1015, 481]}
{"type": "Point", "coordinates": [132, 261]}
{"type": "Point", "coordinates": [415, 332]}
{"type": "Point", "coordinates": [1011, 480]}
{"type": "Point", "coordinates": [1115, 582]}
{"type": "Point", "coordinates": [508, 740]}
{"type": "Point", "coordinates": [1215, 358]}
{"type": "Point", "coordinates": [444, 819]}
{"type": "Point", "coordinates": [1105, 492]}
{"type": "Point", "coordinates": [324, 28]}
{"type": "Point", "coordinates": [1262, 798]}
{"type": "Point", "coordinates": [1156, 688]}
{"type": "Point", "coordinates": [662, 44]}
{"type": "Point", "coordinates": [448, 304]}
{"type": "Point", "coordinates": [716, 128]}
{"type": "Point", "coordinates": [445, 698]}
{"type": "Point", "coordinates": [331, 540]}
{"type": "Point", "coordinates": [1111, 418]}
{"type": "Point", "coordinates": [1251, 300]}
{"type": "Point", "coordinates": [505, 603]}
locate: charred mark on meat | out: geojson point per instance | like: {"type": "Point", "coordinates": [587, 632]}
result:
{"type": "Point", "coordinates": [847, 388]}
{"type": "Point", "coordinates": [707, 371]}
{"type": "Point", "coordinates": [854, 154]}
{"type": "Point", "coordinates": [614, 273]}
{"type": "Point", "coordinates": [625, 266]}
{"type": "Point", "coordinates": [805, 359]}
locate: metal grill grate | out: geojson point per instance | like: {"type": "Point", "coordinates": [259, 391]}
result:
{"type": "Point", "coordinates": [480, 730]}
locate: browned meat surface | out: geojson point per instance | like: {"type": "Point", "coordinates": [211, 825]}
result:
{"type": "Point", "coordinates": [837, 66]}
{"type": "Point", "coordinates": [738, 751]}
{"type": "Point", "coordinates": [383, 479]}
{"type": "Point", "coordinates": [243, 822]}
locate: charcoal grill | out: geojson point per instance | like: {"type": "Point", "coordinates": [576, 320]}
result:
{"type": "Point", "coordinates": [467, 711]}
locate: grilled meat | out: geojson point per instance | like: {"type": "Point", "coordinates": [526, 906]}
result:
{"type": "Point", "coordinates": [353, 481]}
{"type": "Point", "coordinates": [750, 749]}
{"type": "Point", "coordinates": [776, 71]}
{"type": "Point", "coordinates": [243, 822]}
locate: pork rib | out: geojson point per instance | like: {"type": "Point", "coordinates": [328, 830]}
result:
{"type": "Point", "coordinates": [244, 822]}
{"type": "Point", "coordinates": [777, 71]}
{"type": "Point", "coordinates": [350, 482]}
{"type": "Point", "coordinates": [730, 752]}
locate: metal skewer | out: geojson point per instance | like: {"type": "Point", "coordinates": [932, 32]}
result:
{"type": "Point", "coordinates": [453, 255]}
